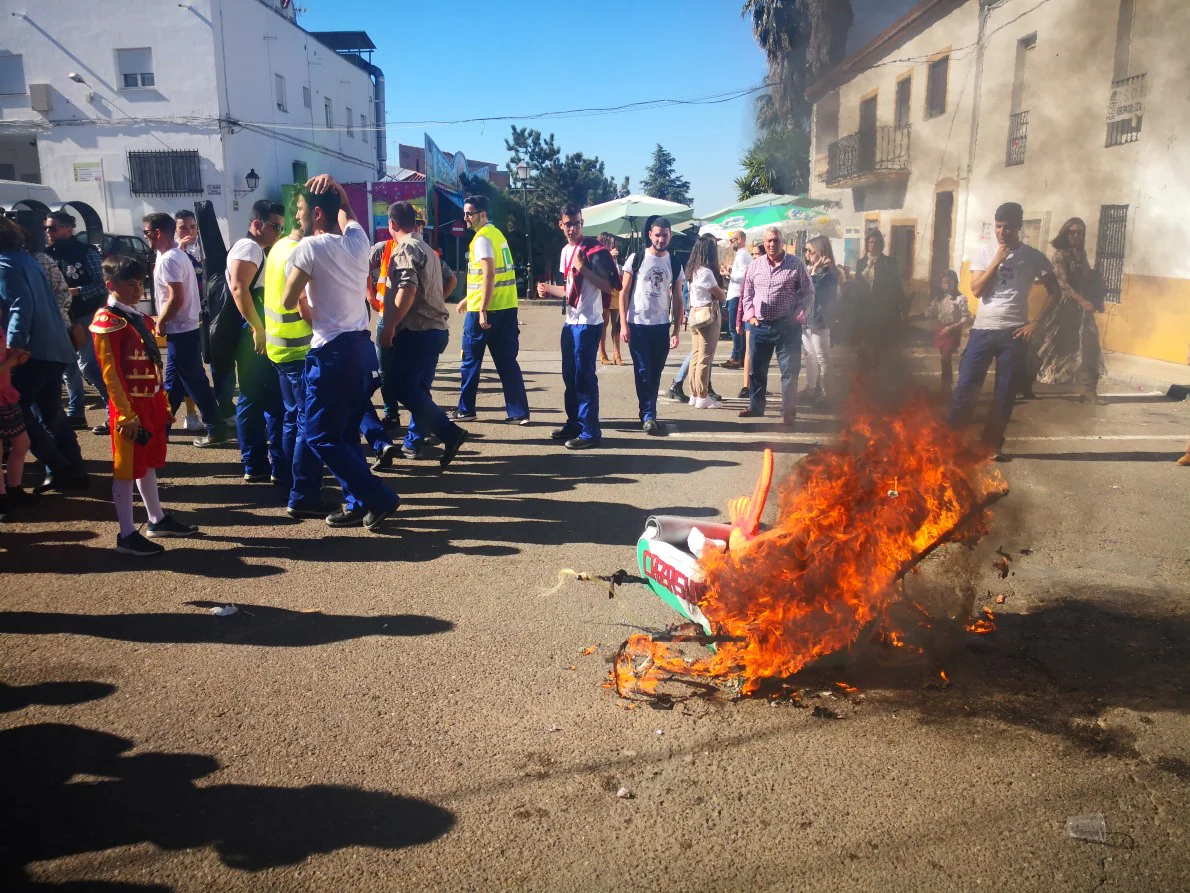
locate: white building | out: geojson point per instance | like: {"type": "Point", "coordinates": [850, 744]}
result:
{"type": "Point", "coordinates": [1069, 107]}
{"type": "Point", "coordinates": [134, 108]}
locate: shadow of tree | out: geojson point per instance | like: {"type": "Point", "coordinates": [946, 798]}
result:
{"type": "Point", "coordinates": [17, 697]}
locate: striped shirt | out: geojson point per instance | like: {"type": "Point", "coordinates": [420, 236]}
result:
{"type": "Point", "coordinates": [773, 292]}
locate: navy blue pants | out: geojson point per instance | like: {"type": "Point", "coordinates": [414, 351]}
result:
{"type": "Point", "coordinates": [414, 362]}
{"type": "Point", "coordinates": [737, 332]}
{"type": "Point", "coordinates": [305, 466]}
{"type": "Point", "coordinates": [580, 345]}
{"type": "Point", "coordinates": [649, 346]}
{"type": "Point", "coordinates": [51, 439]}
{"type": "Point", "coordinates": [259, 413]}
{"type": "Point", "coordinates": [385, 356]}
{"type": "Point", "coordinates": [785, 337]}
{"type": "Point", "coordinates": [985, 346]}
{"type": "Point", "coordinates": [185, 377]}
{"type": "Point", "coordinates": [338, 392]}
{"type": "Point", "coordinates": [503, 339]}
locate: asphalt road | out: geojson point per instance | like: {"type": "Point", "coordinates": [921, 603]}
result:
{"type": "Point", "coordinates": [407, 712]}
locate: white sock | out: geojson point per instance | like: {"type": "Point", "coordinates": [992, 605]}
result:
{"type": "Point", "coordinates": [122, 497]}
{"type": "Point", "coordinates": [148, 494]}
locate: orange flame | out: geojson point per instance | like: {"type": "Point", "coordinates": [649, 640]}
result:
{"type": "Point", "coordinates": [945, 678]}
{"type": "Point", "coordinates": [829, 567]}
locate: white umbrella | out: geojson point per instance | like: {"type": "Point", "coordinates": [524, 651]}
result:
{"type": "Point", "coordinates": [625, 216]}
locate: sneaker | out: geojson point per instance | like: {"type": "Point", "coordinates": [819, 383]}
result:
{"type": "Point", "coordinates": [564, 433]}
{"type": "Point", "coordinates": [344, 518]}
{"type": "Point", "coordinates": [374, 519]}
{"type": "Point", "coordinates": [135, 544]}
{"type": "Point", "coordinates": [392, 421]}
{"type": "Point", "coordinates": [676, 393]}
{"type": "Point", "coordinates": [412, 453]}
{"type": "Point", "coordinates": [582, 443]}
{"type": "Point", "coordinates": [710, 403]}
{"type": "Point", "coordinates": [168, 526]}
{"type": "Point", "coordinates": [431, 440]}
{"type": "Point", "coordinates": [522, 421]}
{"type": "Point", "coordinates": [101, 430]}
{"type": "Point", "coordinates": [299, 513]}
{"type": "Point", "coordinates": [257, 479]}
{"type": "Point", "coordinates": [695, 401]}
{"type": "Point", "coordinates": [192, 424]}
{"type": "Point", "coordinates": [387, 456]}
{"type": "Point", "coordinates": [457, 415]}
{"type": "Point", "coordinates": [654, 428]}
{"type": "Point", "coordinates": [449, 453]}
{"type": "Point", "coordinates": [743, 394]}
{"type": "Point", "coordinates": [215, 438]}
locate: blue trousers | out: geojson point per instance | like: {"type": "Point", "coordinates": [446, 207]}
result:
{"type": "Point", "coordinates": [87, 367]}
{"type": "Point", "coordinates": [785, 337]}
{"type": "Point", "coordinates": [185, 377]}
{"type": "Point", "coordinates": [985, 346]}
{"type": "Point", "coordinates": [259, 413]}
{"type": "Point", "coordinates": [51, 439]}
{"type": "Point", "coordinates": [305, 466]}
{"type": "Point", "coordinates": [338, 391]}
{"type": "Point", "coordinates": [503, 339]}
{"type": "Point", "coordinates": [385, 356]}
{"type": "Point", "coordinates": [372, 429]}
{"type": "Point", "coordinates": [649, 346]}
{"type": "Point", "coordinates": [580, 344]}
{"type": "Point", "coordinates": [414, 361]}
{"type": "Point", "coordinates": [738, 337]}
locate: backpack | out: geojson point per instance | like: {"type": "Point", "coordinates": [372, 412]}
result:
{"type": "Point", "coordinates": [601, 261]}
{"type": "Point", "coordinates": [222, 320]}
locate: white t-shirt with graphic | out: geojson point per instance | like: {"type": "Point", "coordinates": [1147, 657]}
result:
{"type": "Point", "coordinates": [338, 269]}
{"type": "Point", "coordinates": [589, 311]}
{"type": "Point", "coordinates": [739, 267]}
{"type": "Point", "coordinates": [1007, 306]}
{"type": "Point", "coordinates": [652, 290]}
{"type": "Point", "coordinates": [174, 266]}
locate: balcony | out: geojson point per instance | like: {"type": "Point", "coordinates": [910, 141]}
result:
{"type": "Point", "coordinates": [868, 156]}
{"type": "Point", "coordinates": [1018, 137]}
{"type": "Point", "coordinates": [1125, 111]}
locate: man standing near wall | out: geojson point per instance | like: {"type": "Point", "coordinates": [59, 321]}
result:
{"type": "Point", "coordinates": [738, 240]}
{"type": "Point", "coordinates": [491, 308]}
{"type": "Point", "coordinates": [186, 235]}
{"type": "Point", "coordinates": [1001, 279]}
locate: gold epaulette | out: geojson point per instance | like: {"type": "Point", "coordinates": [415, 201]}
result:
{"type": "Point", "coordinates": [106, 323]}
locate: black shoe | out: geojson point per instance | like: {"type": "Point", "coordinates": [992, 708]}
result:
{"type": "Point", "coordinates": [135, 544]}
{"type": "Point", "coordinates": [55, 482]}
{"type": "Point", "coordinates": [168, 526]}
{"type": "Point", "coordinates": [77, 422]}
{"type": "Point", "coordinates": [749, 414]}
{"type": "Point", "coordinates": [449, 453]}
{"type": "Point", "coordinates": [711, 393]}
{"type": "Point", "coordinates": [318, 512]}
{"type": "Point", "coordinates": [392, 421]}
{"type": "Point", "coordinates": [675, 392]}
{"type": "Point", "coordinates": [582, 443]}
{"type": "Point", "coordinates": [431, 440]}
{"type": "Point", "coordinates": [743, 394]}
{"type": "Point", "coordinates": [215, 438]}
{"type": "Point", "coordinates": [19, 497]}
{"type": "Point", "coordinates": [655, 429]}
{"type": "Point", "coordinates": [344, 518]}
{"type": "Point", "coordinates": [387, 456]}
{"type": "Point", "coordinates": [411, 453]}
{"type": "Point", "coordinates": [101, 430]}
{"type": "Point", "coordinates": [258, 479]}
{"type": "Point", "coordinates": [564, 433]}
{"type": "Point", "coordinates": [6, 507]}
{"type": "Point", "coordinates": [374, 519]}
{"type": "Point", "coordinates": [457, 415]}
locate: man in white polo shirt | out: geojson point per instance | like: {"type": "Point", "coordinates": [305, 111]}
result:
{"type": "Point", "coordinates": [331, 265]}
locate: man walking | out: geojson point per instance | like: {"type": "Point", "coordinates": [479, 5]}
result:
{"type": "Point", "coordinates": [582, 333]}
{"type": "Point", "coordinates": [1001, 280]}
{"type": "Point", "coordinates": [81, 266]}
{"type": "Point", "coordinates": [776, 295]}
{"type": "Point", "coordinates": [330, 264]}
{"type": "Point", "coordinates": [491, 324]}
{"type": "Point", "coordinates": [415, 328]}
{"type": "Point", "coordinates": [738, 240]}
{"type": "Point", "coordinates": [650, 304]}
{"type": "Point", "coordinates": [259, 412]}
{"type": "Point", "coordinates": [175, 292]}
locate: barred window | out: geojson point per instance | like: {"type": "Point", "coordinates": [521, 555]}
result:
{"type": "Point", "coordinates": [350, 132]}
{"type": "Point", "coordinates": [165, 173]}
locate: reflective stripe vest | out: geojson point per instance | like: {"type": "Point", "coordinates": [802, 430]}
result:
{"type": "Point", "coordinates": [287, 335]}
{"type": "Point", "coordinates": [504, 288]}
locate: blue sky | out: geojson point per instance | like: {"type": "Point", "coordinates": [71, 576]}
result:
{"type": "Point", "coordinates": [477, 58]}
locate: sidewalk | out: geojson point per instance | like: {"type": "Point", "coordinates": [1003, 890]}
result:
{"type": "Point", "coordinates": [1172, 379]}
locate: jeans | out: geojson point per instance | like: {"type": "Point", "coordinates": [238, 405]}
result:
{"type": "Point", "coordinates": [817, 344]}
{"type": "Point", "coordinates": [649, 346]}
{"type": "Point", "coordinates": [503, 338]}
{"type": "Point", "coordinates": [185, 377]}
{"type": "Point", "coordinates": [983, 347]}
{"type": "Point", "coordinates": [338, 391]}
{"type": "Point", "coordinates": [76, 392]}
{"type": "Point", "coordinates": [259, 413]}
{"type": "Point", "coordinates": [414, 362]}
{"type": "Point", "coordinates": [384, 356]}
{"type": "Point", "coordinates": [371, 428]}
{"type": "Point", "coordinates": [51, 439]}
{"type": "Point", "coordinates": [785, 337]}
{"type": "Point", "coordinates": [305, 466]}
{"type": "Point", "coordinates": [580, 343]}
{"type": "Point", "coordinates": [737, 332]}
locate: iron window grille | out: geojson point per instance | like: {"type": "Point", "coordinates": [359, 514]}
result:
{"type": "Point", "coordinates": [1018, 136]}
{"type": "Point", "coordinates": [1109, 250]}
{"type": "Point", "coordinates": [165, 173]}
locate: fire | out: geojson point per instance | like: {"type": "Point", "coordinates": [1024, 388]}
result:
{"type": "Point", "coordinates": [945, 678]}
{"type": "Point", "coordinates": [829, 567]}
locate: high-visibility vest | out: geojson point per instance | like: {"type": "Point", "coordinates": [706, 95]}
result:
{"type": "Point", "coordinates": [504, 288]}
{"type": "Point", "coordinates": [287, 335]}
{"type": "Point", "coordinates": [377, 297]}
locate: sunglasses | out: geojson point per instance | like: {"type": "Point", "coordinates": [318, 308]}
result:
{"type": "Point", "coordinates": [50, 229]}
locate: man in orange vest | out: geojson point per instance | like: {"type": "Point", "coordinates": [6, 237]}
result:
{"type": "Point", "coordinates": [378, 268]}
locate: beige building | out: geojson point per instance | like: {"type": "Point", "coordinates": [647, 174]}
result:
{"type": "Point", "coordinates": [1070, 107]}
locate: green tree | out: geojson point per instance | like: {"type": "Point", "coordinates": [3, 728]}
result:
{"type": "Point", "coordinates": [623, 191]}
{"type": "Point", "coordinates": [662, 180]}
{"type": "Point", "coordinates": [777, 161]}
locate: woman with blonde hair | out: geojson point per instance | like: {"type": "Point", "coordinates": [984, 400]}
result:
{"type": "Point", "coordinates": [704, 317]}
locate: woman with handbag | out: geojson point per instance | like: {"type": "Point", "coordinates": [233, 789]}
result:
{"type": "Point", "coordinates": [704, 317]}
{"type": "Point", "coordinates": [816, 335]}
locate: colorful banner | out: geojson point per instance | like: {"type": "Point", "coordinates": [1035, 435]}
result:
{"type": "Point", "coordinates": [386, 193]}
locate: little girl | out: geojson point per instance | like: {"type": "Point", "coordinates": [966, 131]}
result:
{"type": "Point", "coordinates": [12, 431]}
{"type": "Point", "coordinates": [950, 309]}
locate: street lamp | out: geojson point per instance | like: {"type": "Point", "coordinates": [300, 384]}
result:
{"type": "Point", "coordinates": [522, 174]}
{"type": "Point", "coordinates": [253, 180]}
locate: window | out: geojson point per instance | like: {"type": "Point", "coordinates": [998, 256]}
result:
{"type": "Point", "coordinates": [904, 91]}
{"type": "Point", "coordinates": [12, 75]}
{"type": "Point", "coordinates": [350, 131]}
{"type": "Point", "coordinates": [165, 173]}
{"type": "Point", "coordinates": [1109, 250]}
{"type": "Point", "coordinates": [136, 68]}
{"type": "Point", "coordinates": [301, 172]}
{"type": "Point", "coordinates": [306, 96]}
{"type": "Point", "coordinates": [936, 78]}
{"type": "Point", "coordinates": [363, 127]}
{"type": "Point", "coordinates": [328, 110]}
{"type": "Point", "coordinates": [282, 105]}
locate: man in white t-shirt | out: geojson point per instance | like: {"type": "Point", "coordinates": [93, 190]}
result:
{"type": "Point", "coordinates": [260, 411]}
{"type": "Point", "coordinates": [175, 291]}
{"type": "Point", "coordinates": [651, 308]}
{"type": "Point", "coordinates": [738, 240]}
{"type": "Point", "coordinates": [331, 264]}
{"type": "Point", "coordinates": [581, 335]}
{"type": "Point", "coordinates": [1001, 279]}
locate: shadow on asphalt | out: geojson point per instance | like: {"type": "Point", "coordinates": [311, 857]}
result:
{"type": "Point", "coordinates": [1146, 456]}
{"type": "Point", "coordinates": [257, 625]}
{"type": "Point", "coordinates": [18, 697]}
{"type": "Point", "coordinates": [151, 797]}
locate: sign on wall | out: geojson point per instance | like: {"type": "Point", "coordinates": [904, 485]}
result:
{"type": "Point", "coordinates": [386, 193]}
{"type": "Point", "coordinates": [88, 172]}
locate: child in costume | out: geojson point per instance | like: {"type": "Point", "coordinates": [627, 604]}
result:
{"type": "Point", "coordinates": [126, 347]}
{"type": "Point", "coordinates": [12, 430]}
{"type": "Point", "coordinates": [950, 309]}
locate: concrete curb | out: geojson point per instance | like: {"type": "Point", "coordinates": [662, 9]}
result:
{"type": "Point", "coordinates": [1154, 375]}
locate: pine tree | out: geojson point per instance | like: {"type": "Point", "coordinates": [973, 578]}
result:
{"type": "Point", "coordinates": [624, 191]}
{"type": "Point", "coordinates": [662, 180]}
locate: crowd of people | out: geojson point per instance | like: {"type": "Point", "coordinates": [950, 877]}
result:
{"type": "Point", "coordinates": [301, 347]}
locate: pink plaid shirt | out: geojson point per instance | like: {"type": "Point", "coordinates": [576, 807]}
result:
{"type": "Point", "coordinates": [773, 292]}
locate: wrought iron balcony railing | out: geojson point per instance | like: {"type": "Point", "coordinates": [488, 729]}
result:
{"type": "Point", "coordinates": [867, 154]}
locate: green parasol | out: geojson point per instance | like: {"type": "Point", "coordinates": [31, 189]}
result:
{"type": "Point", "coordinates": [769, 210]}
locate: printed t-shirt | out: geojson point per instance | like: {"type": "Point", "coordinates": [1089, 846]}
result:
{"type": "Point", "coordinates": [652, 290]}
{"type": "Point", "coordinates": [1007, 306]}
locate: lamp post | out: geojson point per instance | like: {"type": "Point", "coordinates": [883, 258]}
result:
{"type": "Point", "coordinates": [253, 180]}
{"type": "Point", "coordinates": [522, 174]}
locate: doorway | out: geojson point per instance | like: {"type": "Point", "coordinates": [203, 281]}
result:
{"type": "Point", "coordinates": [940, 249]}
{"type": "Point", "coordinates": [903, 239]}
{"type": "Point", "coordinates": [867, 134]}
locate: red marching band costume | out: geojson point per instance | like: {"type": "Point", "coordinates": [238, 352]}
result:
{"type": "Point", "coordinates": [133, 381]}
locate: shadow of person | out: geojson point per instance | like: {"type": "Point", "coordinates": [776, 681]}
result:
{"type": "Point", "coordinates": [151, 797]}
{"type": "Point", "coordinates": [17, 697]}
{"type": "Point", "coordinates": [257, 625]}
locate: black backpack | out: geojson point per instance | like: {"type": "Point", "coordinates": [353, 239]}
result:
{"type": "Point", "coordinates": [675, 267]}
{"type": "Point", "coordinates": [223, 322]}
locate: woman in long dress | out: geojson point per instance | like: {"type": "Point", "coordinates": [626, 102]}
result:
{"type": "Point", "coordinates": [1067, 340]}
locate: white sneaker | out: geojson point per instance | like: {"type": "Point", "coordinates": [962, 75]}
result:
{"type": "Point", "coordinates": [694, 401]}
{"type": "Point", "coordinates": [193, 424]}
{"type": "Point", "coordinates": [708, 403]}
